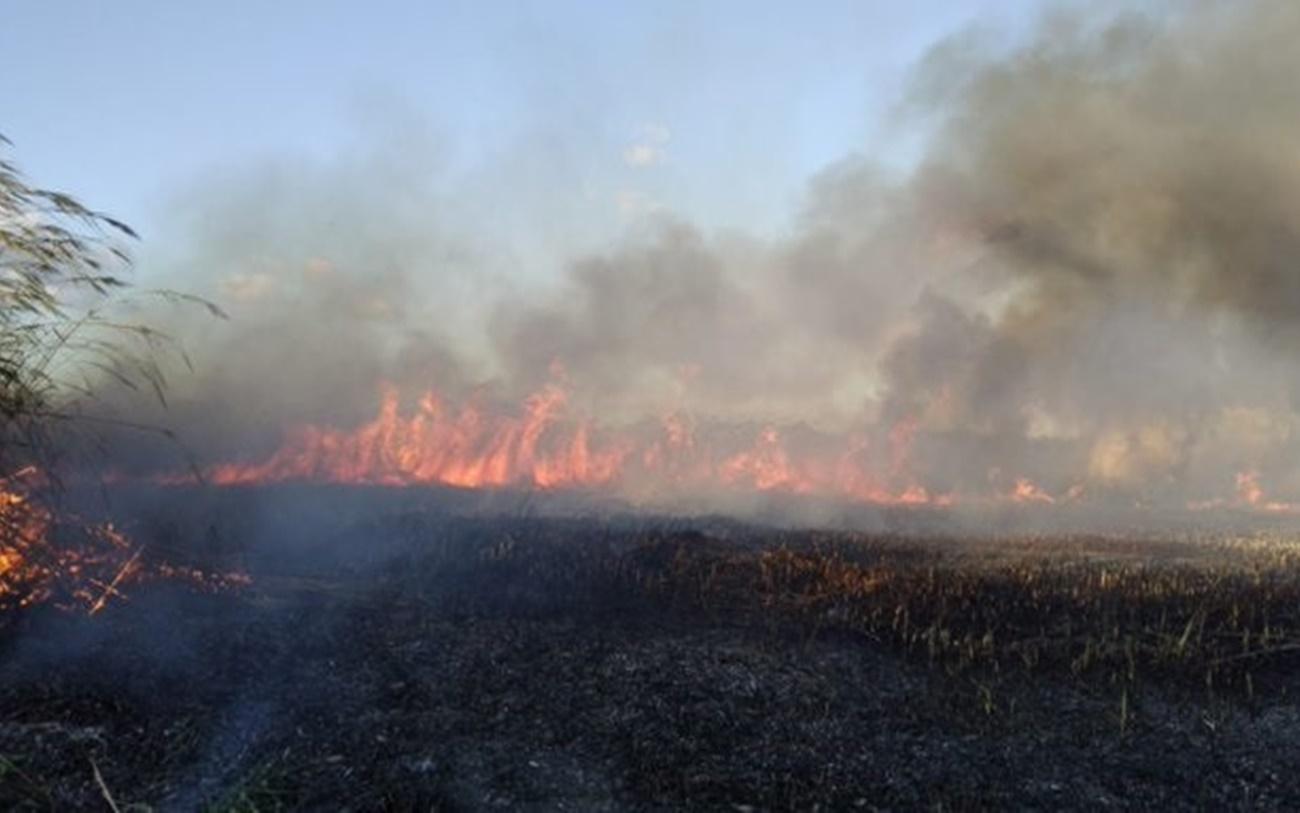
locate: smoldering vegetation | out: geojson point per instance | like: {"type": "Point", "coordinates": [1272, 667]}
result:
{"type": "Point", "coordinates": [440, 654]}
{"type": "Point", "coordinates": [1085, 280]}
{"type": "Point", "coordinates": [1082, 283]}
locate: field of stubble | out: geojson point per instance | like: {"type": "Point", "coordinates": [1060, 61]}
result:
{"type": "Point", "coordinates": [417, 660]}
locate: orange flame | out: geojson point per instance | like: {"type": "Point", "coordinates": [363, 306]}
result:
{"type": "Point", "coordinates": [71, 563]}
{"type": "Point", "coordinates": [1250, 495]}
{"type": "Point", "coordinates": [1026, 491]}
{"type": "Point", "coordinates": [543, 447]}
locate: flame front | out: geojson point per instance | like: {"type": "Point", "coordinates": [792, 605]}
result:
{"type": "Point", "coordinates": [542, 446]}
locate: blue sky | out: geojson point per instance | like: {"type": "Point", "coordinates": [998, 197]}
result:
{"type": "Point", "coordinates": [718, 111]}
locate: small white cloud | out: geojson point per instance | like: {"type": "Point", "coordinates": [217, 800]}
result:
{"type": "Point", "coordinates": [649, 147]}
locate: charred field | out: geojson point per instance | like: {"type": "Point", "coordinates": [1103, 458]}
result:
{"type": "Point", "coordinates": [641, 406]}
{"type": "Point", "coordinates": [425, 650]}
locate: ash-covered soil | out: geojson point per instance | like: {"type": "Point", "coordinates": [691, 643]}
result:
{"type": "Point", "coordinates": [417, 663]}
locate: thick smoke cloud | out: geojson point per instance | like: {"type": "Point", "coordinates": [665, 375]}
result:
{"type": "Point", "coordinates": [1087, 279]}
{"type": "Point", "coordinates": [1134, 183]}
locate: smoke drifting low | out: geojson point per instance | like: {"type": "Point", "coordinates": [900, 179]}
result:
{"type": "Point", "coordinates": [1086, 281]}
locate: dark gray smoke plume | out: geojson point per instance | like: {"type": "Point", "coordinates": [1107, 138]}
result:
{"type": "Point", "coordinates": [1086, 280]}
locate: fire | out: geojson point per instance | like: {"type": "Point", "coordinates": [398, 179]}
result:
{"type": "Point", "coordinates": [1250, 496]}
{"type": "Point", "coordinates": [766, 467]}
{"type": "Point", "coordinates": [1248, 488]}
{"type": "Point", "coordinates": [464, 447]}
{"type": "Point", "coordinates": [47, 558]}
{"type": "Point", "coordinates": [1026, 491]}
{"type": "Point", "coordinates": [543, 447]}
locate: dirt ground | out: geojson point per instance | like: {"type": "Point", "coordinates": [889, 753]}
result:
{"type": "Point", "coordinates": [515, 665]}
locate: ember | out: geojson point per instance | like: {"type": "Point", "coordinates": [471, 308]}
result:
{"type": "Point", "coordinates": [48, 557]}
{"type": "Point", "coordinates": [677, 407]}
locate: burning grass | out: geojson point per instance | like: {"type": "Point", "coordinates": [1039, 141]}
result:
{"type": "Point", "coordinates": [58, 558]}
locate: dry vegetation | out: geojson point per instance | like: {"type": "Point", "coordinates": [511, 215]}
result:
{"type": "Point", "coordinates": [1118, 611]}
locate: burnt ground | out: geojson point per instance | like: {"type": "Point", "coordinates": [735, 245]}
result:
{"type": "Point", "coordinates": [590, 665]}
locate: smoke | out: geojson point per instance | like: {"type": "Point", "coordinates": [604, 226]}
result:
{"type": "Point", "coordinates": [1086, 279]}
{"type": "Point", "coordinates": [1133, 185]}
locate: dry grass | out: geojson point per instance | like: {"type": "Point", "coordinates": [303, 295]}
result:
{"type": "Point", "coordinates": [1218, 614]}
